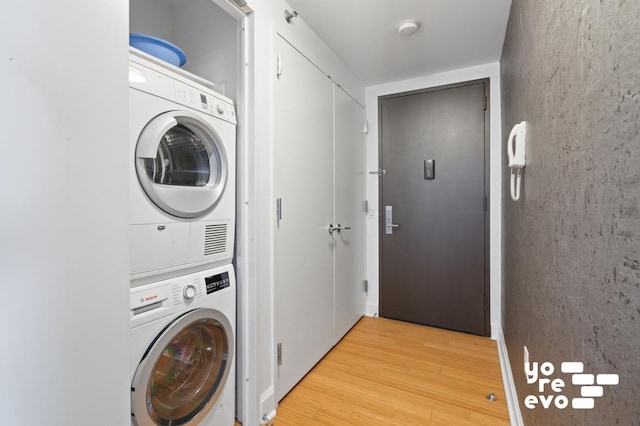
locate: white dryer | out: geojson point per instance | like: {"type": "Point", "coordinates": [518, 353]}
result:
{"type": "Point", "coordinates": [182, 173]}
{"type": "Point", "coordinates": [182, 350]}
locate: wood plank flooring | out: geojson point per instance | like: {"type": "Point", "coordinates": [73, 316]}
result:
{"type": "Point", "coordinates": [387, 372]}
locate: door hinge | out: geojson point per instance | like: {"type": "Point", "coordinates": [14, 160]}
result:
{"type": "Point", "coordinates": [366, 286]}
{"type": "Point", "coordinates": [366, 206]}
{"type": "Point", "coordinates": [484, 102]}
{"type": "Point", "coordinates": [242, 6]}
{"type": "Point", "coordinates": [279, 353]}
{"type": "Point", "coordinates": [484, 203]}
{"type": "Point", "coordinates": [365, 127]}
{"type": "Point", "coordinates": [278, 66]}
{"type": "Point", "coordinates": [278, 209]}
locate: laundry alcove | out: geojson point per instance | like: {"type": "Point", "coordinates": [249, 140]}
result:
{"type": "Point", "coordinates": [203, 30]}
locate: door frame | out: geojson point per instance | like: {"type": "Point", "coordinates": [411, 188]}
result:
{"type": "Point", "coordinates": [487, 170]}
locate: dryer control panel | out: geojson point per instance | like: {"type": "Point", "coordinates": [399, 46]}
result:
{"type": "Point", "coordinates": [183, 88]}
{"type": "Point", "coordinates": [205, 102]}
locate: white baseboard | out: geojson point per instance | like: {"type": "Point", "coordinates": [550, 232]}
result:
{"type": "Point", "coordinates": [267, 404]}
{"type": "Point", "coordinates": [371, 310]}
{"type": "Point", "coordinates": [496, 330]}
{"type": "Point", "coordinates": [515, 415]}
{"type": "Point", "coordinates": [269, 418]}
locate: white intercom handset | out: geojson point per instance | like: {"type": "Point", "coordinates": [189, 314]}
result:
{"type": "Point", "coordinates": [516, 145]}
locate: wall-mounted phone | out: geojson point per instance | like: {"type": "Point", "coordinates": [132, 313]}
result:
{"type": "Point", "coordinates": [516, 145]}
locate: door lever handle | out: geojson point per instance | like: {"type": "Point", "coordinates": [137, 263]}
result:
{"type": "Point", "coordinates": [388, 220]}
{"type": "Point", "coordinates": [338, 228]}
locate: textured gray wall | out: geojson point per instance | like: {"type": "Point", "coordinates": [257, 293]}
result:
{"type": "Point", "coordinates": [571, 69]}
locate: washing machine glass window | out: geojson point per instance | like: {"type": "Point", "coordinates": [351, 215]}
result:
{"type": "Point", "coordinates": [186, 369]}
{"type": "Point", "coordinates": [181, 164]}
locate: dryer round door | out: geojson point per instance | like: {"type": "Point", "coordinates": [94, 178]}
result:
{"type": "Point", "coordinates": [181, 164]}
{"type": "Point", "coordinates": [183, 373]}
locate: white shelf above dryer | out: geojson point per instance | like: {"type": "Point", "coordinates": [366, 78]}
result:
{"type": "Point", "coordinates": [178, 70]}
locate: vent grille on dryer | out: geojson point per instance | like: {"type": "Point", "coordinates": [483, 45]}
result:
{"type": "Point", "coordinates": [215, 239]}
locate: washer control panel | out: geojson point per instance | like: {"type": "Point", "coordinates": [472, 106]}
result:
{"type": "Point", "coordinates": [189, 292]}
{"type": "Point", "coordinates": [217, 282]}
{"type": "Point", "coordinates": [152, 301]}
{"type": "Point", "coordinates": [191, 289]}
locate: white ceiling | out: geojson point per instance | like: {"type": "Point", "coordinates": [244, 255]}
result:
{"type": "Point", "coordinates": [363, 34]}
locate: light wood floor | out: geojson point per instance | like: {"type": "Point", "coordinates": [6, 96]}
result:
{"type": "Point", "coordinates": [387, 372]}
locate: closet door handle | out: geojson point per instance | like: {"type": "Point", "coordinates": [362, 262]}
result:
{"type": "Point", "coordinates": [338, 228]}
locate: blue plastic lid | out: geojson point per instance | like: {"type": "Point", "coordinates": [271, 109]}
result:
{"type": "Point", "coordinates": [159, 48]}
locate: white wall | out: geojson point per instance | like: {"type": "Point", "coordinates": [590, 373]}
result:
{"type": "Point", "coordinates": [151, 17]}
{"type": "Point", "coordinates": [64, 263]}
{"type": "Point", "coordinates": [206, 34]}
{"type": "Point", "coordinates": [491, 71]}
{"type": "Point", "coordinates": [269, 20]}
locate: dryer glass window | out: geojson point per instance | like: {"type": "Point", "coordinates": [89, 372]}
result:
{"type": "Point", "coordinates": [188, 372]}
{"type": "Point", "coordinates": [182, 159]}
{"type": "Point", "coordinates": [181, 164]}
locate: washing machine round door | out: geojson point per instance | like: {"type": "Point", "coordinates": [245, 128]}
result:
{"type": "Point", "coordinates": [183, 373]}
{"type": "Point", "coordinates": [181, 164]}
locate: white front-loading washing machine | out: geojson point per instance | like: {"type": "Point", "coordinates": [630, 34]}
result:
{"type": "Point", "coordinates": [182, 175]}
{"type": "Point", "coordinates": [182, 350]}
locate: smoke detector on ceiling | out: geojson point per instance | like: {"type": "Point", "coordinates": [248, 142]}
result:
{"type": "Point", "coordinates": [408, 27]}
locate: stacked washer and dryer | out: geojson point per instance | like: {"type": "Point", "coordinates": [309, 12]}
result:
{"type": "Point", "coordinates": [182, 204]}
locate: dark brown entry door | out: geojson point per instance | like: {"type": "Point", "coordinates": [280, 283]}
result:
{"type": "Point", "coordinates": [433, 207]}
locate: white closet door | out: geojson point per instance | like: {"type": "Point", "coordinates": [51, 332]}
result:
{"type": "Point", "coordinates": [349, 157]}
{"type": "Point", "coordinates": [303, 180]}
